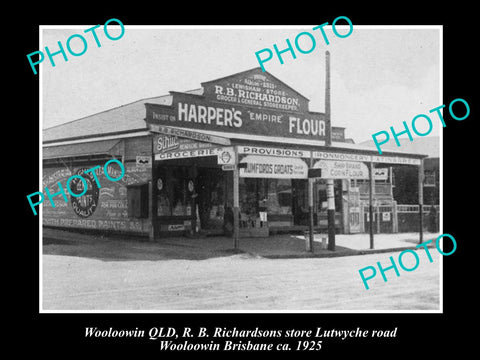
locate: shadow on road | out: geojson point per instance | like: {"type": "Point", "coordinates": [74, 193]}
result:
{"type": "Point", "coordinates": [134, 250]}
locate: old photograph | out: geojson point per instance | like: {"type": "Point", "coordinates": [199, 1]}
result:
{"type": "Point", "coordinates": [241, 168]}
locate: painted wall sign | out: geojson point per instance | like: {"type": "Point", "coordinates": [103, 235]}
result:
{"type": "Point", "coordinates": [273, 167]}
{"type": "Point", "coordinates": [193, 112]}
{"type": "Point", "coordinates": [255, 88]}
{"type": "Point", "coordinates": [85, 205]}
{"type": "Point", "coordinates": [342, 169]}
{"type": "Point", "coordinates": [104, 208]}
{"type": "Point", "coordinates": [246, 103]}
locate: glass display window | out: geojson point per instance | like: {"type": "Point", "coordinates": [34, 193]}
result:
{"type": "Point", "coordinates": [279, 197]}
{"type": "Point", "coordinates": [275, 196]}
{"type": "Point", "coordinates": [172, 191]}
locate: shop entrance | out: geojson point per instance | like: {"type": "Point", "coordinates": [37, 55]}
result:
{"type": "Point", "coordinates": [192, 196]}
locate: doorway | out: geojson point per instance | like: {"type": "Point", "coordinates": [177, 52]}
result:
{"type": "Point", "coordinates": [211, 199]}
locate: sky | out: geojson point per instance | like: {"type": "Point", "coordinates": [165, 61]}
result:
{"type": "Point", "coordinates": [380, 75]}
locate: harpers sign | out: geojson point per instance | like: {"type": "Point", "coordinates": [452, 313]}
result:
{"type": "Point", "coordinates": [248, 103]}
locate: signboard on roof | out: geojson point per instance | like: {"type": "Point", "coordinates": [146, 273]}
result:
{"type": "Point", "coordinates": [251, 102]}
{"type": "Point", "coordinates": [257, 89]}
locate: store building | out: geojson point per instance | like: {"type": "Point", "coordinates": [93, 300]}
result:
{"type": "Point", "coordinates": [239, 144]}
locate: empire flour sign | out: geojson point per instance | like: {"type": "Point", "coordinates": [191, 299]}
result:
{"type": "Point", "coordinates": [250, 103]}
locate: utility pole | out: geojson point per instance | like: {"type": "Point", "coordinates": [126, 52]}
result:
{"type": "Point", "coordinates": [328, 142]}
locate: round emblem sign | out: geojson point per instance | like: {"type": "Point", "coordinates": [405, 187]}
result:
{"type": "Point", "coordinates": [225, 157]}
{"type": "Point", "coordinates": [85, 205]}
{"type": "Point", "coordinates": [159, 184]}
{"type": "Point", "coordinates": [190, 186]}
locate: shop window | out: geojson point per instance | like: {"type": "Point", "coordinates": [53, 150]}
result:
{"type": "Point", "coordinates": [163, 202]}
{"type": "Point", "coordinates": [279, 197]}
{"type": "Point", "coordinates": [271, 195]}
{"type": "Point", "coordinates": [429, 178]}
{"type": "Point", "coordinates": [300, 202]}
{"type": "Point", "coordinates": [177, 184]}
{"type": "Point", "coordinates": [137, 199]}
{"type": "Point", "coordinates": [211, 197]}
{"type": "Point", "coordinates": [249, 192]}
{"type": "Point", "coordinates": [172, 185]}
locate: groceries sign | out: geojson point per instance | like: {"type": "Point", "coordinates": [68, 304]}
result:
{"type": "Point", "coordinates": [251, 102]}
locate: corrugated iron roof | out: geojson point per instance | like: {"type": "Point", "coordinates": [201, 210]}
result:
{"type": "Point", "coordinates": [103, 147]}
{"type": "Point", "coordinates": [429, 145]}
{"type": "Point", "coordinates": [124, 118]}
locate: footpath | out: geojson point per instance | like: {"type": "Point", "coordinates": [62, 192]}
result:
{"type": "Point", "coordinates": [117, 247]}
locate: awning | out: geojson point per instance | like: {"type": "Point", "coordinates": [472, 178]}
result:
{"type": "Point", "coordinates": [106, 147]}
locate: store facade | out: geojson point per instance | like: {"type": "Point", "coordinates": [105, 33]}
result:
{"type": "Point", "coordinates": [239, 148]}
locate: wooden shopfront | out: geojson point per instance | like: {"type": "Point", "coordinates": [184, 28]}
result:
{"type": "Point", "coordinates": [232, 157]}
{"type": "Point", "coordinates": [250, 127]}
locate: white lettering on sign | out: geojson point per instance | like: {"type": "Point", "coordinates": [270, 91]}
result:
{"type": "Point", "coordinates": [166, 142]}
{"type": "Point", "coordinates": [254, 116]}
{"type": "Point", "coordinates": [182, 154]}
{"type": "Point", "coordinates": [176, 227]}
{"type": "Point", "coordinates": [209, 115]}
{"type": "Point", "coordinates": [306, 126]}
{"type": "Point", "coordinates": [273, 167]}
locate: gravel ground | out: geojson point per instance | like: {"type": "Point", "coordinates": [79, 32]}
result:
{"type": "Point", "coordinates": [83, 272]}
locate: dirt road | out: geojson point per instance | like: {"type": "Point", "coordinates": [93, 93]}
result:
{"type": "Point", "coordinates": [236, 282]}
